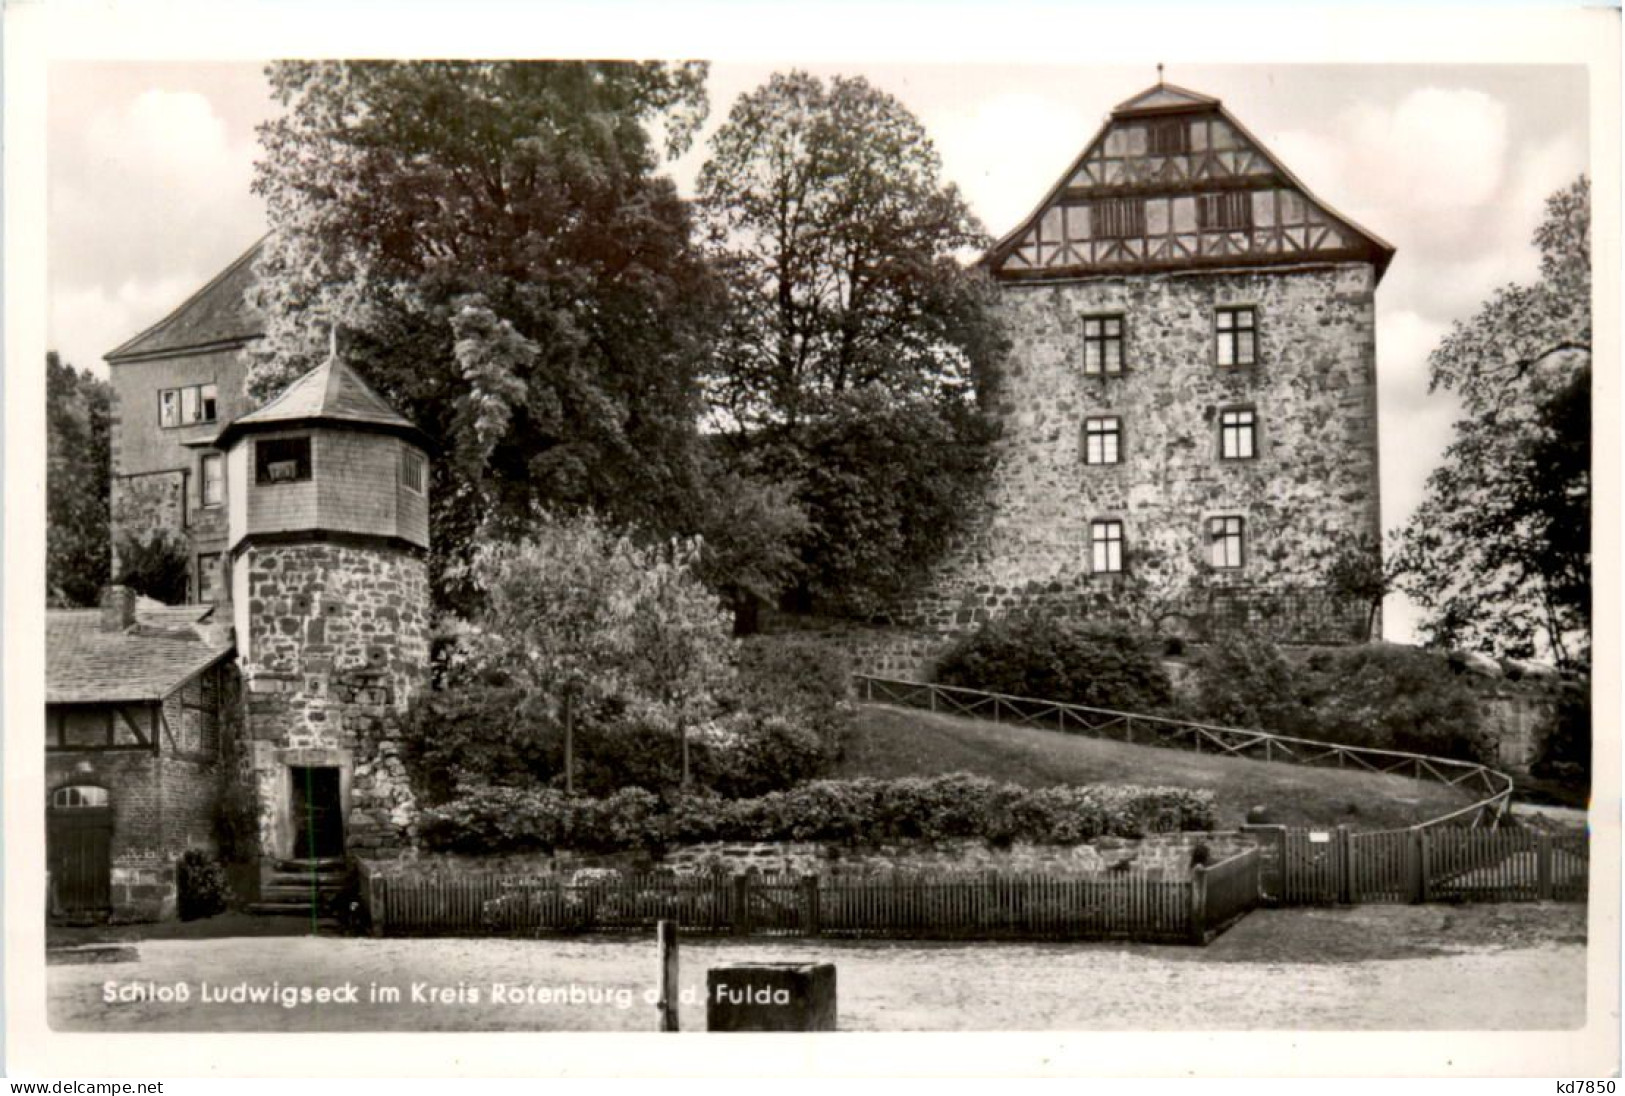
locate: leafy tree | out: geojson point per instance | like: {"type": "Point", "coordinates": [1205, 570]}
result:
{"type": "Point", "coordinates": [1498, 553]}
{"type": "Point", "coordinates": [499, 257]}
{"type": "Point", "coordinates": [578, 614]}
{"type": "Point", "coordinates": [77, 469]}
{"type": "Point", "coordinates": [852, 325]}
{"type": "Point", "coordinates": [1357, 574]}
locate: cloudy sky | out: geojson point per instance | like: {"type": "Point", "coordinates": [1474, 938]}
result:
{"type": "Point", "coordinates": [149, 168]}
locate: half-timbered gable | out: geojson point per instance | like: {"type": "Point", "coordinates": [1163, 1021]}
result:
{"type": "Point", "coordinates": [1173, 181]}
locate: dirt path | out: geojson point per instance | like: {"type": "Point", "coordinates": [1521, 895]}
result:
{"type": "Point", "coordinates": [1277, 970]}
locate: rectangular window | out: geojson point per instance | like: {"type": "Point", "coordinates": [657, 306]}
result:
{"type": "Point", "coordinates": [1119, 218]}
{"type": "Point", "coordinates": [1106, 547]}
{"type": "Point", "coordinates": [1103, 344]}
{"type": "Point", "coordinates": [414, 471]}
{"type": "Point", "coordinates": [1232, 212]}
{"type": "Point", "coordinates": [1170, 138]}
{"type": "Point", "coordinates": [1236, 332]}
{"type": "Point", "coordinates": [213, 479]}
{"type": "Point", "coordinates": [282, 460]}
{"type": "Point", "coordinates": [208, 577]}
{"type": "Point", "coordinates": [1238, 438]}
{"type": "Point", "coordinates": [1225, 538]}
{"type": "Point", "coordinates": [1102, 440]}
{"type": "Point", "coordinates": [185, 406]}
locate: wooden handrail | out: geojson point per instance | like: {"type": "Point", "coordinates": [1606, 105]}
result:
{"type": "Point", "coordinates": [1376, 760]}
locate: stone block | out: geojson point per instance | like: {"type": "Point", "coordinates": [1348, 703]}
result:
{"type": "Point", "coordinates": [771, 997]}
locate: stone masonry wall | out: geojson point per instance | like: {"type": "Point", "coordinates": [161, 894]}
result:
{"type": "Point", "coordinates": [338, 645]}
{"type": "Point", "coordinates": [1311, 491]}
{"type": "Point", "coordinates": [1169, 853]}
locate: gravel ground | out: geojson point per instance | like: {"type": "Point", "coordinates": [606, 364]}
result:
{"type": "Point", "coordinates": [1463, 968]}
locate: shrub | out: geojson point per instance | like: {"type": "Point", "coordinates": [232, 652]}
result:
{"type": "Point", "coordinates": [1400, 698]}
{"type": "Point", "coordinates": [1247, 683]}
{"type": "Point", "coordinates": [957, 805]}
{"type": "Point", "coordinates": [477, 729]}
{"type": "Point", "coordinates": [155, 564]}
{"type": "Point", "coordinates": [200, 886]}
{"type": "Point", "coordinates": [808, 681]}
{"type": "Point", "coordinates": [1038, 656]}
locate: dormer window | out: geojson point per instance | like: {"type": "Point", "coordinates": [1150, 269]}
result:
{"type": "Point", "coordinates": [281, 460]}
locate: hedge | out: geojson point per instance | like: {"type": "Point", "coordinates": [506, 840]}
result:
{"type": "Point", "coordinates": [505, 819]}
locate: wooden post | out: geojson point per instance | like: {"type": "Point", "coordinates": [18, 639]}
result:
{"type": "Point", "coordinates": [809, 906]}
{"type": "Point", "coordinates": [375, 905]}
{"type": "Point", "coordinates": [741, 905]}
{"type": "Point", "coordinates": [666, 937]}
{"type": "Point", "coordinates": [1413, 858]}
{"type": "Point", "coordinates": [1345, 882]}
{"type": "Point", "coordinates": [1424, 849]}
{"type": "Point", "coordinates": [1198, 929]}
{"type": "Point", "coordinates": [1543, 867]}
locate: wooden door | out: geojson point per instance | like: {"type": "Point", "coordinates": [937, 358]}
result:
{"type": "Point", "coordinates": [318, 818]}
{"type": "Point", "coordinates": [79, 842]}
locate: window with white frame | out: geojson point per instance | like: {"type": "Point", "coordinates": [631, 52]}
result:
{"type": "Point", "coordinates": [1238, 434]}
{"type": "Point", "coordinates": [1226, 541]}
{"type": "Point", "coordinates": [1102, 344]}
{"type": "Point", "coordinates": [1102, 439]}
{"type": "Point", "coordinates": [1236, 333]}
{"type": "Point", "coordinates": [213, 479]}
{"type": "Point", "coordinates": [1106, 546]}
{"type": "Point", "coordinates": [185, 406]}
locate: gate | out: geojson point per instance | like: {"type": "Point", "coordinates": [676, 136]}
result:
{"type": "Point", "coordinates": [79, 838]}
{"type": "Point", "coordinates": [1312, 867]}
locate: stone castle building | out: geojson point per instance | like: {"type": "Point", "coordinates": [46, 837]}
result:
{"type": "Point", "coordinates": [1189, 407]}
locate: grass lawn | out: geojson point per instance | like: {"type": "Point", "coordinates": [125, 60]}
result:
{"type": "Point", "coordinates": [890, 742]}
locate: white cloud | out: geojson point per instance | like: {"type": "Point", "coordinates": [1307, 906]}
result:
{"type": "Point", "coordinates": [148, 199]}
{"type": "Point", "coordinates": [1007, 151]}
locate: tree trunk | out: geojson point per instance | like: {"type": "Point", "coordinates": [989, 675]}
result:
{"type": "Point", "coordinates": [569, 745]}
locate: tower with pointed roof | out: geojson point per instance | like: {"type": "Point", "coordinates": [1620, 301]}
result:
{"type": "Point", "coordinates": [328, 529]}
{"type": "Point", "coordinates": [1189, 405]}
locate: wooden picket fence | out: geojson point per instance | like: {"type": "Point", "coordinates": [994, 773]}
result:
{"type": "Point", "coordinates": [1129, 905]}
{"type": "Point", "coordinates": [1421, 864]}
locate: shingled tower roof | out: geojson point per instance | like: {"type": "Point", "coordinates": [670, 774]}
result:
{"type": "Point", "coordinates": [216, 317]}
{"type": "Point", "coordinates": [330, 393]}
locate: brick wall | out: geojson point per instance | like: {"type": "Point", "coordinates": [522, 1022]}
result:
{"type": "Point", "coordinates": [1312, 489]}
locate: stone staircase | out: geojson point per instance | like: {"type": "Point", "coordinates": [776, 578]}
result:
{"type": "Point", "coordinates": [300, 888]}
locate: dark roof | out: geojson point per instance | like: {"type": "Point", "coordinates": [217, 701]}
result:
{"type": "Point", "coordinates": [216, 316]}
{"type": "Point", "coordinates": [148, 661]}
{"type": "Point", "coordinates": [332, 392]}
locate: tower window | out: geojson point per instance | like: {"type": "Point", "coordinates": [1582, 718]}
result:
{"type": "Point", "coordinates": [214, 479]}
{"type": "Point", "coordinates": [1106, 546]}
{"type": "Point", "coordinates": [1238, 434]}
{"type": "Point", "coordinates": [194, 403]}
{"type": "Point", "coordinates": [1119, 218]}
{"type": "Point", "coordinates": [1102, 440]}
{"type": "Point", "coordinates": [1103, 344]}
{"type": "Point", "coordinates": [1235, 331]}
{"type": "Point", "coordinates": [79, 797]}
{"type": "Point", "coordinates": [282, 460]}
{"type": "Point", "coordinates": [1226, 542]}
{"type": "Point", "coordinates": [414, 471]}
{"type": "Point", "coordinates": [1225, 212]}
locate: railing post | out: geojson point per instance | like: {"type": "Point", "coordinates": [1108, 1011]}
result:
{"type": "Point", "coordinates": [1198, 926]}
{"type": "Point", "coordinates": [1413, 858]}
{"type": "Point", "coordinates": [931, 692]}
{"type": "Point", "coordinates": [741, 905]}
{"type": "Point", "coordinates": [1543, 867]}
{"type": "Point", "coordinates": [666, 937]}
